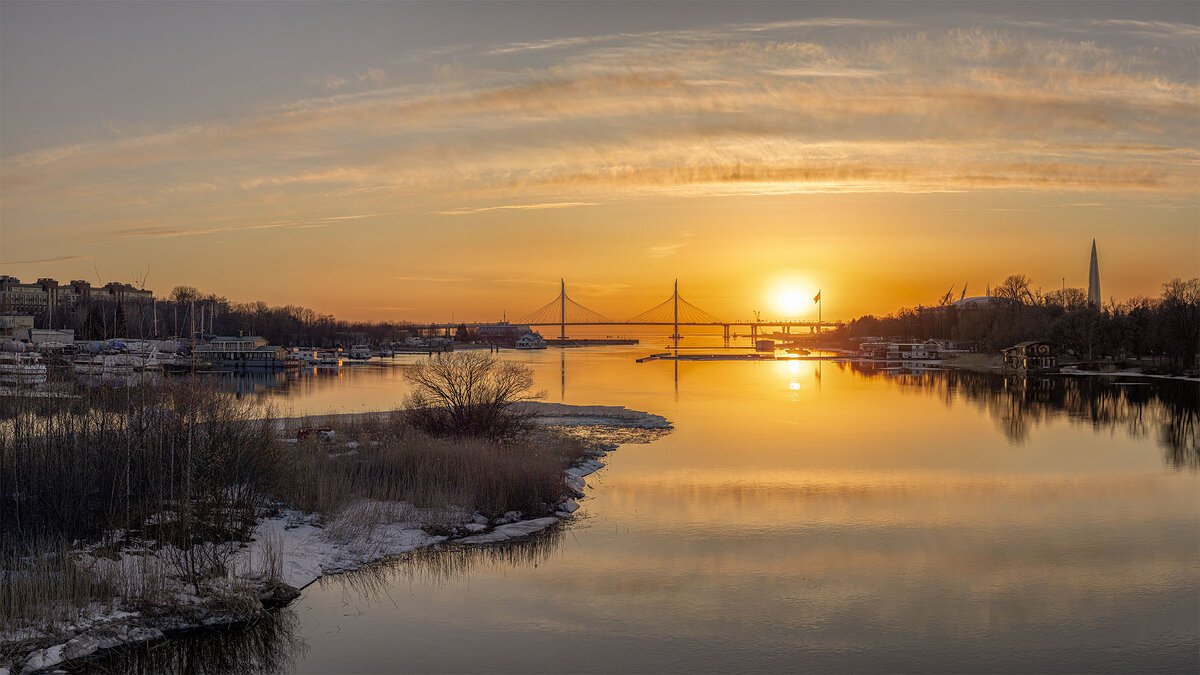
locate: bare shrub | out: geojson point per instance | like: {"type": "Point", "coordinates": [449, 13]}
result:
{"type": "Point", "coordinates": [469, 394]}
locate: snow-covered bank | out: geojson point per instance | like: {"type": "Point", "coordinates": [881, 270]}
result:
{"type": "Point", "coordinates": [1133, 372]}
{"type": "Point", "coordinates": [547, 414]}
{"type": "Point", "coordinates": [561, 414]}
{"type": "Point", "coordinates": [290, 550]}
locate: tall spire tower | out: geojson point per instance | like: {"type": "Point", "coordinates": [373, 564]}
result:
{"type": "Point", "coordinates": [1094, 280]}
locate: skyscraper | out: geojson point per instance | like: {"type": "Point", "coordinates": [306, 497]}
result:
{"type": "Point", "coordinates": [1094, 280]}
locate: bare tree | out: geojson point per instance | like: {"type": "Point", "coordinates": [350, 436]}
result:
{"type": "Point", "coordinates": [1015, 288]}
{"type": "Point", "coordinates": [469, 394]}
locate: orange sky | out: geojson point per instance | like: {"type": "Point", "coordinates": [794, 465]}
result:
{"type": "Point", "coordinates": [881, 159]}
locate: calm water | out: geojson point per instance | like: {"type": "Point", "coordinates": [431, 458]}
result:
{"type": "Point", "coordinates": [801, 517]}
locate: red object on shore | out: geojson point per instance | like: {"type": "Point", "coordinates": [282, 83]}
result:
{"type": "Point", "coordinates": [325, 433]}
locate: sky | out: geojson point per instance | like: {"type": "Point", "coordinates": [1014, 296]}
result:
{"type": "Point", "coordinates": [429, 161]}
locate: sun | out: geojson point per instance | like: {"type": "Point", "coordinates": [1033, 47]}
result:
{"type": "Point", "coordinates": [791, 298]}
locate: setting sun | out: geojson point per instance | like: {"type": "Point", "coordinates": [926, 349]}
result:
{"type": "Point", "coordinates": [792, 297]}
{"type": "Point", "coordinates": [296, 288]}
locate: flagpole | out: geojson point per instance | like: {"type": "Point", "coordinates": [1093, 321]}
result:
{"type": "Point", "coordinates": [818, 301]}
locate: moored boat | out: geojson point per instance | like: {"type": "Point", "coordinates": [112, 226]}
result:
{"type": "Point", "coordinates": [21, 368]}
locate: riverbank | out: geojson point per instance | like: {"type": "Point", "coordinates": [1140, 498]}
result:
{"type": "Point", "coordinates": [290, 549]}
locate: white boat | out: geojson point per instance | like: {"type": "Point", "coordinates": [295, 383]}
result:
{"type": "Point", "coordinates": [360, 352]}
{"type": "Point", "coordinates": [117, 363]}
{"type": "Point", "coordinates": [306, 355]}
{"type": "Point", "coordinates": [321, 358]}
{"type": "Point", "coordinates": [21, 368]}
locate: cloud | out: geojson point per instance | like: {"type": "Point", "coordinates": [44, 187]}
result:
{"type": "Point", "coordinates": [598, 289]}
{"type": "Point", "coordinates": [46, 261]}
{"type": "Point", "coordinates": [519, 207]}
{"type": "Point", "coordinates": [166, 231]}
{"type": "Point", "coordinates": [439, 280]}
{"type": "Point", "coordinates": [828, 105]}
{"type": "Point", "coordinates": [387, 308]}
{"type": "Point", "coordinates": [664, 250]}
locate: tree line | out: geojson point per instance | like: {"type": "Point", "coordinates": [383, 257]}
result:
{"type": "Point", "coordinates": [186, 311]}
{"type": "Point", "coordinates": [1165, 329]}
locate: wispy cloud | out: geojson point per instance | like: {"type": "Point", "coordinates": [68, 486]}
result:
{"type": "Point", "coordinates": [598, 289]}
{"type": "Point", "coordinates": [464, 211]}
{"type": "Point", "coordinates": [664, 250]}
{"type": "Point", "coordinates": [828, 105]}
{"type": "Point", "coordinates": [386, 308]}
{"type": "Point", "coordinates": [46, 261]}
{"type": "Point", "coordinates": [439, 280]}
{"type": "Point", "coordinates": [164, 231]}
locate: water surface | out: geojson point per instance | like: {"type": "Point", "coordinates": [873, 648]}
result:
{"type": "Point", "coordinates": [802, 516]}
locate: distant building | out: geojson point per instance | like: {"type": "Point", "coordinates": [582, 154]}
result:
{"type": "Point", "coordinates": [503, 334]}
{"type": "Point", "coordinates": [530, 341]}
{"type": "Point", "coordinates": [244, 352]}
{"type": "Point", "coordinates": [56, 305]}
{"type": "Point", "coordinates": [902, 351]}
{"type": "Point", "coordinates": [52, 336]}
{"type": "Point", "coordinates": [976, 302]}
{"type": "Point", "coordinates": [1033, 356]}
{"type": "Point", "coordinates": [16, 326]}
{"type": "Point", "coordinates": [1094, 280]}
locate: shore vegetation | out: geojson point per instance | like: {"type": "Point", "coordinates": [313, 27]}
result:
{"type": "Point", "coordinates": [140, 497]}
{"type": "Point", "coordinates": [1165, 331]}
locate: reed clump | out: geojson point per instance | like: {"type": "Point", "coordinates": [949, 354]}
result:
{"type": "Point", "coordinates": [140, 495]}
{"type": "Point", "coordinates": [392, 460]}
{"type": "Point", "coordinates": [181, 468]}
{"type": "Point", "coordinates": [177, 461]}
{"type": "Point", "coordinates": [43, 586]}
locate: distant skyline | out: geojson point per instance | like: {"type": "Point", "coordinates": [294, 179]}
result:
{"type": "Point", "coordinates": [402, 161]}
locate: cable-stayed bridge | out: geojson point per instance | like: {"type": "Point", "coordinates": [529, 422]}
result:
{"type": "Point", "coordinates": [562, 311]}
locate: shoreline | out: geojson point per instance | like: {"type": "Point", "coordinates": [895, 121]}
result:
{"type": "Point", "coordinates": [306, 550]}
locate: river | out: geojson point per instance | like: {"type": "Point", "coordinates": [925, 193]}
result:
{"type": "Point", "coordinates": [802, 516]}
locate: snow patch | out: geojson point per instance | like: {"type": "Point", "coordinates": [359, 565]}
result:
{"type": "Point", "coordinates": [561, 414]}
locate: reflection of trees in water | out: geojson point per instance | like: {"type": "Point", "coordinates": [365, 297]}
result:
{"type": "Point", "coordinates": [443, 565]}
{"type": "Point", "coordinates": [273, 644]}
{"type": "Point", "coordinates": [1020, 403]}
{"type": "Point", "coordinates": [270, 644]}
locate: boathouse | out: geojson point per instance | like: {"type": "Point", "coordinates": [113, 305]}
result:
{"type": "Point", "coordinates": [1032, 356]}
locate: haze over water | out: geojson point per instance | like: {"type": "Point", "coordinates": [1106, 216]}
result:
{"type": "Point", "coordinates": [802, 516]}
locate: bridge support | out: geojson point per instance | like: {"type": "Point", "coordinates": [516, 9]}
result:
{"type": "Point", "coordinates": [675, 297]}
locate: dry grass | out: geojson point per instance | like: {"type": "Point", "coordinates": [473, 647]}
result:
{"type": "Point", "coordinates": [180, 464]}
{"type": "Point", "coordinates": [113, 458]}
{"type": "Point", "coordinates": [44, 586]}
{"type": "Point", "coordinates": [395, 462]}
{"type": "Point", "coordinates": [184, 471]}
